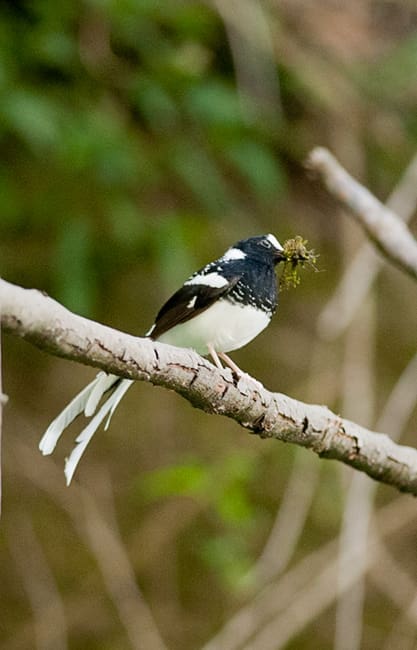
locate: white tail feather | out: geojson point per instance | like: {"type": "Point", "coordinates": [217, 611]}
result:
{"type": "Point", "coordinates": [87, 400]}
{"type": "Point", "coordinates": [126, 383]}
{"type": "Point", "coordinates": [70, 412]}
{"type": "Point", "coordinates": [86, 434]}
{"type": "Point", "coordinates": [102, 384]}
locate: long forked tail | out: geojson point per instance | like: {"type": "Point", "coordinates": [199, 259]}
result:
{"type": "Point", "coordinates": [87, 400]}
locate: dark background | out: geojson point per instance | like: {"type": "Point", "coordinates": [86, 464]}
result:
{"type": "Point", "coordinates": [139, 139]}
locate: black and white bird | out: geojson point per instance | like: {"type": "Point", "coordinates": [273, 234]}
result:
{"type": "Point", "coordinates": [220, 308]}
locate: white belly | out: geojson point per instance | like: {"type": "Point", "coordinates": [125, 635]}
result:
{"type": "Point", "coordinates": [224, 325]}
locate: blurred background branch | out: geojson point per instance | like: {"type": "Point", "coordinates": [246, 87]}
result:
{"type": "Point", "coordinates": [363, 269]}
{"type": "Point", "coordinates": [384, 228]}
{"type": "Point", "coordinates": [387, 232]}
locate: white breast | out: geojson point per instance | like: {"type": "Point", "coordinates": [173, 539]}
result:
{"type": "Point", "coordinates": [224, 325]}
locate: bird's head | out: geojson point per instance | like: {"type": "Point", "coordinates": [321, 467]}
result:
{"type": "Point", "coordinates": [265, 248]}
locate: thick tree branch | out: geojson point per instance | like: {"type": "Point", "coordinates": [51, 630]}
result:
{"type": "Point", "coordinates": [48, 325]}
{"type": "Point", "coordinates": [382, 226]}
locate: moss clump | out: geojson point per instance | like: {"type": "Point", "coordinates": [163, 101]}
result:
{"type": "Point", "coordinates": [297, 255]}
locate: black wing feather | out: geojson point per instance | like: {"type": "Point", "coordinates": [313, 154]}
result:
{"type": "Point", "coordinates": [176, 310]}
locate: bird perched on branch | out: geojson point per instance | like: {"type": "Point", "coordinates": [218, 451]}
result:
{"type": "Point", "coordinates": [220, 308]}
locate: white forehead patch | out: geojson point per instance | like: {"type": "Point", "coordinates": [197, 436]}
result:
{"type": "Point", "coordinates": [233, 254]}
{"type": "Point", "coordinates": [210, 280]}
{"type": "Point", "coordinates": [274, 241]}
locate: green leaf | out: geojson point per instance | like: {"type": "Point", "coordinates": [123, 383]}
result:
{"type": "Point", "coordinates": [96, 140]}
{"type": "Point", "coordinates": [34, 117]}
{"type": "Point", "coordinates": [199, 171]}
{"type": "Point", "coordinates": [393, 76]}
{"type": "Point", "coordinates": [125, 221]}
{"type": "Point", "coordinates": [155, 103]}
{"type": "Point", "coordinates": [188, 479]}
{"type": "Point", "coordinates": [175, 240]}
{"type": "Point", "coordinates": [214, 103]}
{"type": "Point", "coordinates": [229, 494]}
{"type": "Point", "coordinates": [74, 274]}
{"type": "Point", "coordinates": [228, 556]}
{"type": "Point", "coordinates": [233, 504]}
{"type": "Point", "coordinates": [10, 203]}
{"type": "Point", "coordinates": [258, 166]}
{"type": "Point", "coordinates": [53, 47]}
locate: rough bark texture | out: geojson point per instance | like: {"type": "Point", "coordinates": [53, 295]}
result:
{"type": "Point", "coordinates": [45, 323]}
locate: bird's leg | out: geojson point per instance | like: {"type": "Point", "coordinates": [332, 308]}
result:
{"type": "Point", "coordinates": [238, 372]}
{"type": "Point", "coordinates": [228, 361]}
{"type": "Point", "coordinates": [232, 365]}
{"type": "Point", "coordinates": [214, 356]}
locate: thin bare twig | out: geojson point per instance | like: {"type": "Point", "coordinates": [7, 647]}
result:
{"type": "Point", "coordinates": [394, 581]}
{"type": "Point", "coordinates": [361, 272]}
{"type": "Point", "coordinates": [289, 522]}
{"type": "Point", "coordinates": [118, 574]}
{"type": "Point", "coordinates": [283, 609]}
{"type": "Point", "coordinates": [102, 537]}
{"type": "Point", "coordinates": [403, 633]}
{"type": "Point", "coordinates": [383, 227]}
{"type": "Point", "coordinates": [333, 320]}
{"type": "Point", "coordinates": [359, 507]}
{"type": "Point", "coordinates": [315, 576]}
{"type": "Point", "coordinates": [318, 594]}
{"type": "Point", "coordinates": [354, 536]}
{"type": "Point", "coordinates": [40, 586]}
{"type": "Point", "coordinates": [358, 400]}
{"type": "Point", "coordinates": [295, 502]}
{"type": "Point", "coordinates": [249, 33]}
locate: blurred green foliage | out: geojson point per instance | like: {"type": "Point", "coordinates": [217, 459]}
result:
{"type": "Point", "coordinates": [112, 114]}
{"type": "Point", "coordinates": [223, 487]}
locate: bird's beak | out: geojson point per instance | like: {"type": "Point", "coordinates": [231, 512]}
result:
{"type": "Point", "coordinates": [279, 256]}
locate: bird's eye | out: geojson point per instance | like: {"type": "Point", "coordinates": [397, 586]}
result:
{"type": "Point", "coordinates": [265, 243]}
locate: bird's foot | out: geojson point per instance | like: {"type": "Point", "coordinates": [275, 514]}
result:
{"type": "Point", "coordinates": [238, 373]}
